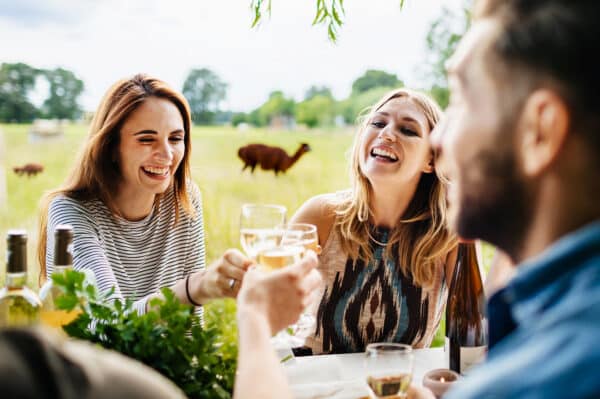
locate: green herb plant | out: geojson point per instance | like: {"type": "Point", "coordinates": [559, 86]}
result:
{"type": "Point", "coordinates": [168, 338]}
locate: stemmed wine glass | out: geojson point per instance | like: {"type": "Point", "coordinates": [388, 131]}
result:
{"type": "Point", "coordinates": [389, 369]}
{"type": "Point", "coordinates": [260, 227]}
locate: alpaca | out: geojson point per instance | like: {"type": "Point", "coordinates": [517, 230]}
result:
{"type": "Point", "coordinates": [269, 158]}
{"type": "Point", "coordinates": [30, 169]}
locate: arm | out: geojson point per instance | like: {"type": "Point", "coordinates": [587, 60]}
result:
{"type": "Point", "coordinates": [319, 211]}
{"type": "Point", "coordinates": [213, 282]}
{"type": "Point", "coordinates": [268, 302]}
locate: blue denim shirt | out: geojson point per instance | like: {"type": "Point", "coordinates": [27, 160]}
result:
{"type": "Point", "coordinates": [549, 315]}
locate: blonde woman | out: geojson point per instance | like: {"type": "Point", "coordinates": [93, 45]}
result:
{"type": "Point", "coordinates": [387, 256]}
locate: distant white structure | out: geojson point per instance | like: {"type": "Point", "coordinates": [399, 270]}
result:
{"type": "Point", "coordinates": [243, 127]}
{"type": "Point", "coordinates": [44, 129]}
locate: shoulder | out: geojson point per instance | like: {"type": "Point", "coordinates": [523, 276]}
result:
{"type": "Point", "coordinates": [81, 214]}
{"type": "Point", "coordinates": [194, 194]}
{"type": "Point", "coordinates": [61, 204]}
{"type": "Point", "coordinates": [320, 211]}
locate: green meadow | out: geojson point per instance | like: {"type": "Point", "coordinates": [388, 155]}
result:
{"type": "Point", "coordinates": [215, 168]}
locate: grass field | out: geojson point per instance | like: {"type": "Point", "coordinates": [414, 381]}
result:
{"type": "Point", "coordinates": [215, 168]}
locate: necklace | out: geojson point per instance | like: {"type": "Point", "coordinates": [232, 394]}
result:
{"type": "Point", "coordinates": [382, 244]}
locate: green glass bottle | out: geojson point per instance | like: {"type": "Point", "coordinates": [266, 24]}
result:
{"type": "Point", "coordinates": [63, 261]}
{"type": "Point", "coordinates": [19, 305]}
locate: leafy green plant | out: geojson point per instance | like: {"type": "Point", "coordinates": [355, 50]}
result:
{"type": "Point", "coordinates": [168, 338]}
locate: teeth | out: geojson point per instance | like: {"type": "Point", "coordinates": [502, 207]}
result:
{"type": "Point", "coordinates": [384, 153]}
{"type": "Point", "coordinates": [156, 171]}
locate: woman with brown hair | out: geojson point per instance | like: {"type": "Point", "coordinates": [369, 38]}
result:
{"type": "Point", "coordinates": [387, 256]}
{"type": "Point", "coordinates": [136, 215]}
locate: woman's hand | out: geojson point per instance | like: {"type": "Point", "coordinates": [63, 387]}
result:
{"type": "Point", "coordinates": [279, 296]}
{"type": "Point", "coordinates": [221, 279]}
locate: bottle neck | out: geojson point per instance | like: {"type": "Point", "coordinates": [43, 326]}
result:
{"type": "Point", "coordinates": [16, 280]}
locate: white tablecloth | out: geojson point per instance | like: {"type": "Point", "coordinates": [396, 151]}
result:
{"type": "Point", "coordinates": [343, 376]}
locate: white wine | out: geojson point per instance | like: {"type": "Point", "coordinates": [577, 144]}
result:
{"type": "Point", "coordinates": [63, 261]}
{"type": "Point", "coordinates": [19, 306]}
{"type": "Point", "coordinates": [253, 240]}
{"type": "Point", "coordinates": [278, 257]}
{"type": "Point", "coordinates": [392, 386]}
{"type": "Point", "coordinates": [466, 325]}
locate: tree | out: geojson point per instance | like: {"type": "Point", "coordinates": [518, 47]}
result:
{"type": "Point", "coordinates": [355, 105]}
{"type": "Point", "coordinates": [375, 78]}
{"type": "Point", "coordinates": [204, 91]}
{"type": "Point", "coordinates": [442, 39]}
{"type": "Point", "coordinates": [16, 83]}
{"type": "Point", "coordinates": [277, 105]}
{"type": "Point", "coordinates": [314, 91]}
{"type": "Point", "coordinates": [319, 110]}
{"type": "Point", "coordinates": [64, 90]}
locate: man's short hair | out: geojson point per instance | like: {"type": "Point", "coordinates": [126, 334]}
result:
{"type": "Point", "coordinates": [550, 43]}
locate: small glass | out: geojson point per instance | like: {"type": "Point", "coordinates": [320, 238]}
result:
{"type": "Point", "coordinates": [388, 369]}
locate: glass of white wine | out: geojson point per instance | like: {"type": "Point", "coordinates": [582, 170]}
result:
{"type": "Point", "coordinates": [304, 235]}
{"type": "Point", "coordinates": [389, 369]}
{"type": "Point", "coordinates": [260, 227]}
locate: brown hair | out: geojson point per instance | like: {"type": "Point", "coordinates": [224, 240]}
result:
{"type": "Point", "coordinates": [421, 234]}
{"type": "Point", "coordinates": [95, 174]}
{"type": "Point", "coordinates": [543, 44]}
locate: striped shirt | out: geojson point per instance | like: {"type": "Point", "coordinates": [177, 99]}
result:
{"type": "Point", "coordinates": [137, 258]}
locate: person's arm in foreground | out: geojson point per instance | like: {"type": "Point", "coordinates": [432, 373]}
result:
{"type": "Point", "coordinates": [267, 303]}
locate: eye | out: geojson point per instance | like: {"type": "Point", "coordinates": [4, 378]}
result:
{"type": "Point", "coordinates": [146, 140]}
{"type": "Point", "coordinates": [408, 132]}
{"type": "Point", "coordinates": [176, 139]}
{"type": "Point", "coordinates": [378, 124]}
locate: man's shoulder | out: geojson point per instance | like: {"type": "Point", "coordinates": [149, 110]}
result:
{"type": "Point", "coordinates": [557, 361]}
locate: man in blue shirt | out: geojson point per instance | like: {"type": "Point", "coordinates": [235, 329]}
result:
{"type": "Point", "coordinates": [521, 147]}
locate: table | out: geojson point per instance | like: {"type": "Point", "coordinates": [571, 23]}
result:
{"type": "Point", "coordinates": [342, 376]}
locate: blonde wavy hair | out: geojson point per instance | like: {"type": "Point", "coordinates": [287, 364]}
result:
{"type": "Point", "coordinates": [421, 234]}
{"type": "Point", "coordinates": [95, 174]}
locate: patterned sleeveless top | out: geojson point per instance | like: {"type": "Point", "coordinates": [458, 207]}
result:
{"type": "Point", "coordinates": [375, 302]}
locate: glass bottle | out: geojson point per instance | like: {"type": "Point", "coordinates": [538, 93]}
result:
{"type": "Point", "coordinates": [466, 324]}
{"type": "Point", "coordinates": [19, 305]}
{"type": "Point", "coordinates": [63, 261]}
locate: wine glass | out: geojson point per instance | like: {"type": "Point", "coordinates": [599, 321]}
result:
{"type": "Point", "coordinates": [260, 227]}
{"type": "Point", "coordinates": [305, 235]}
{"type": "Point", "coordinates": [389, 369]}
{"type": "Point", "coordinates": [293, 240]}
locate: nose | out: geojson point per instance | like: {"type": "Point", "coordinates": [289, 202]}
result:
{"type": "Point", "coordinates": [387, 134]}
{"type": "Point", "coordinates": [163, 151]}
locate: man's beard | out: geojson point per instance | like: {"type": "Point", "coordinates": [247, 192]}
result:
{"type": "Point", "coordinates": [498, 207]}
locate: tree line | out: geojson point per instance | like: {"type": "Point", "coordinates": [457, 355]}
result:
{"type": "Point", "coordinates": [18, 81]}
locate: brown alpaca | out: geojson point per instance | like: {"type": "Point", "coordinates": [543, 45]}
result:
{"type": "Point", "coordinates": [269, 158]}
{"type": "Point", "coordinates": [30, 169]}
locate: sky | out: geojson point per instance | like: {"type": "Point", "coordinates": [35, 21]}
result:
{"type": "Point", "coordinates": [105, 40]}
